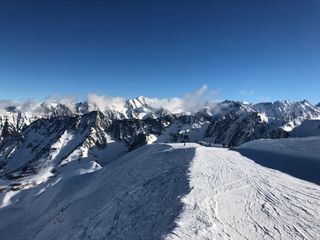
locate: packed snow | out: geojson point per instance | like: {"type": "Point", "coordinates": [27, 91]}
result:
{"type": "Point", "coordinates": [231, 197]}
{"type": "Point", "coordinates": [167, 191]}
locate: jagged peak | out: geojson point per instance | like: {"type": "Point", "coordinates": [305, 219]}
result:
{"type": "Point", "coordinates": [141, 98]}
{"type": "Point", "coordinates": [142, 107]}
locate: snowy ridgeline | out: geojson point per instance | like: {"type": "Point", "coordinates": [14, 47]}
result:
{"type": "Point", "coordinates": [48, 140]}
{"type": "Point", "coordinates": [172, 191]}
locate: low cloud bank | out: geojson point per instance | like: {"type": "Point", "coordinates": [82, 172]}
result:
{"type": "Point", "coordinates": [189, 102]}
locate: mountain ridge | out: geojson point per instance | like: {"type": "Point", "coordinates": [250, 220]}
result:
{"type": "Point", "coordinates": [44, 142]}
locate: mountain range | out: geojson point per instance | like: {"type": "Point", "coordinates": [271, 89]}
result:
{"type": "Point", "coordinates": [133, 170]}
{"type": "Point", "coordinates": [40, 141]}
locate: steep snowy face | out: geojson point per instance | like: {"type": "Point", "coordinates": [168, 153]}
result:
{"type": "Point", "coordinates": [284, 114]}
{"type": "Point", "coordinates": [228, 107]}
{"type": "Point", "coordinates": [234, 129]}
{"type": "Point", "coordinates": [291, 114]}
{"type": "Point", "coordinates": [18, 115]}
{"type": "Point", "coordinates": [228, 122]}
{"type": "Point", "coordinates": [241, 125]}
{"type": "Point", "coordinates": [306, 129]}
{"type": "Point", "coordinates": [139, 108]}
{"type": "Point", "coordinates": [38, 138]}
{"type": "Point", "coordinates": [135, 197]}
{"type": "Point", "coordinates": [46, 145]}
{"type": "Point", "coordinates": [15, 118]}
{"type": "Point", "coordinates": [167, 191]}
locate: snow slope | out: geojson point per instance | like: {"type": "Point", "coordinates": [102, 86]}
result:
{"type": "Point", "coordinates": [234, 198]}
{"type": "Point", "coordinates": [299, 157]}
{"type": "Point", "coordinates": [306, 129]}
{"type": "Point", "coordinates": [305, 147]}
{"type": "Point", "coordinates": [167, 191]}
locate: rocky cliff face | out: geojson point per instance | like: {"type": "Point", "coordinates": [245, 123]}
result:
{"type": "Point", "coordinates": [45, 141]}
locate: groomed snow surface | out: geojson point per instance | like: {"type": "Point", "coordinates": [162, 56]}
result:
{"type": "Point", "coordinates": [168, 191]}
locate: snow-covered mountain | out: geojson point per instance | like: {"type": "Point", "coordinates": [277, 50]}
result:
{"type": "Point", "coordinates": [42, 138]}
{"type": "Point", "coordinates": [169, 191]}
{"type": "Point", "coordinates": [142, 186]}
{"type": "Point", "coordinates": [306, 129]}
{"type": "Point", "coordinates": [290, 114]}
{"type": "Point", "coordinates": [286, 114]}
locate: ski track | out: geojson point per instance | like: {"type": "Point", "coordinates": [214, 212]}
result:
{"type": "Point", "coordinates": [169, 192]}
{"type": "Point", "coordinates": [234, 198]}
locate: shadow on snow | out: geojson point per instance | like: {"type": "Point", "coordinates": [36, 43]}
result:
{"type": "Point", "coordinates": [135, 197]}
{"type": "Point", "coordinates": [301, 167]}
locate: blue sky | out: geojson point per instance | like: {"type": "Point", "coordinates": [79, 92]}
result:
{"type": "Point", "coordinates": [248, 50]}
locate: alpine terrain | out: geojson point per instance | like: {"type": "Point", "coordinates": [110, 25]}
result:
{"type": "Point", "coordinates": [137, 170]}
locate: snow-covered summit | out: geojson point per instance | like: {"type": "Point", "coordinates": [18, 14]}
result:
{"type": "Point", "coordinates": [37, 138]}
{"type": "Point", "coordinates": [291, 113]}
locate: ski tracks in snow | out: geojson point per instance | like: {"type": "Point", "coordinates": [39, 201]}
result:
{"type": "Point", "coordinates": [232, 197]}
{"type": "Point", "coordinates": [170, 192]}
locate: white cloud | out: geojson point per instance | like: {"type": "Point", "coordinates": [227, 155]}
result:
{"type": "Point", "coordinates": [4, 104]}
{"type": "Point", "coordinates": [102, 102]}
{"type": "Point", "coordinates": [174, 105]}
{"type": "Point", "coordinates": [28, 105]}
{"type": "Point", "coordinates": [67, 100]}
{"type": "Point", "coordinates": [190, 102]}
{"type": "Point", "coordinates": [32, 106]}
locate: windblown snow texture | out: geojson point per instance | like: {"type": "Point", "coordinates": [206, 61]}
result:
{"type": "Point", "coordinates": [135, 197]}
{"type": "Point", "coordinates": [168, 191]}
{"type": "Point", "coordinates": [39, 140]}
{"type": "Point", "coordinates": [91, 171]}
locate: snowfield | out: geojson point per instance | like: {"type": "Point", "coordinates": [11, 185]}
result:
{"type": "Point", "coordinates": [307, 147]}
{"type": "Point", "coordinates": [232, 197]}
{"type": "Point", "coordinates": [167, 191]}
{"type": "Point", "coordinates": [299, 157]}
{"type": "Point", "coordinates": [306, 129]}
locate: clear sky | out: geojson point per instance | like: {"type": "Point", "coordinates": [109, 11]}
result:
{"type": "Point", "coordinates": [248, 50]}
